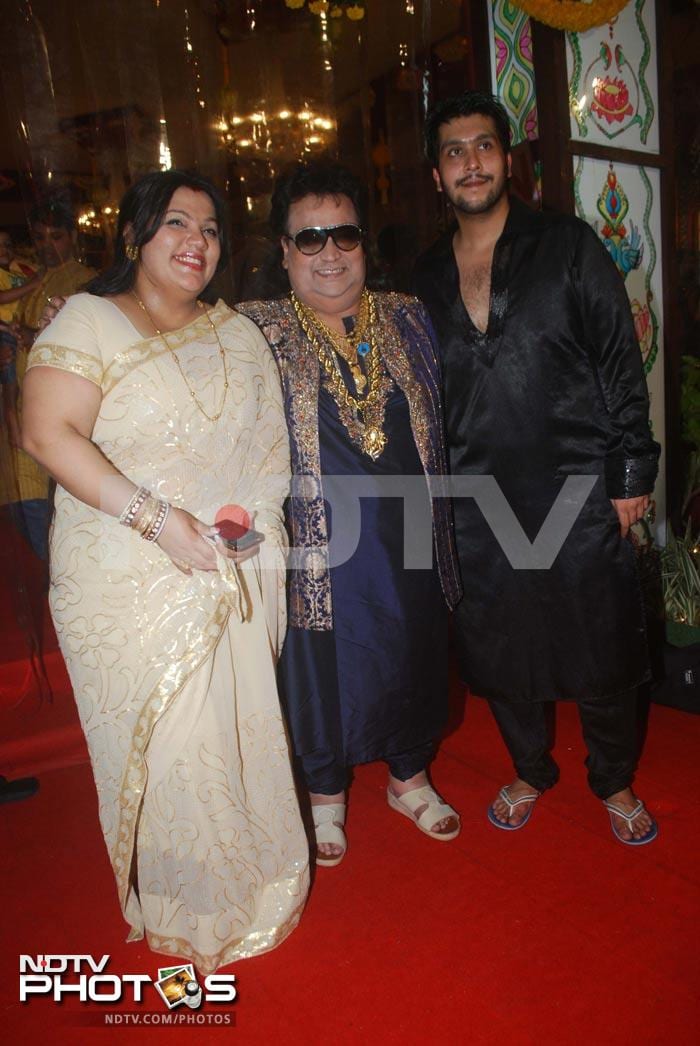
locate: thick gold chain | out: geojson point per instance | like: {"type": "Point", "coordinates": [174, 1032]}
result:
{"type": "Point", "coordinates": [308, 320]}
{"type": "Point", "coordinates": [346, 344]}
{"type": "Point", "coordinates": [374, 438]}
{"type": "Point", "coordinates": [222, 353]}
{"type": "Point", "coordinates": [358, 334]}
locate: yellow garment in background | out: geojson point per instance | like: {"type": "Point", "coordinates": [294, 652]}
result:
{"type": "Point", "coordinates": [29, 480]}
{"type": "Point", "coordinates": [10, 279]}
{"type": "Point", "coordinates": [63, 280]}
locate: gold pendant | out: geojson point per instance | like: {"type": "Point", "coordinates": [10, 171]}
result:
{"type": "Point", "coordinates": [373, 442]}
{"type": "Point", "coordinates": [358, 377]}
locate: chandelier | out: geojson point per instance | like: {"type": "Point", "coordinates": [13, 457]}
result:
{"type": "Point", "coordinates": [286, 135]}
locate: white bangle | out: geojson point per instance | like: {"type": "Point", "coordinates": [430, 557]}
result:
{"type": "Point", "coordinates": [133, 506]}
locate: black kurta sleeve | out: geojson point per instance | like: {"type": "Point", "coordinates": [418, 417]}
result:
{"type": "Point", "coordinates": [631, 462]}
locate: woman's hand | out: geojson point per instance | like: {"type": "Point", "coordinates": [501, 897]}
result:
{"type": "Point", "coordinates": [239, 557]}
{"type": "Point", "coordinates": [183, 540]}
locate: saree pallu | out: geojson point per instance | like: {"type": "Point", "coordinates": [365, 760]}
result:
{"type": "Point", "coordinates": [174, 676]}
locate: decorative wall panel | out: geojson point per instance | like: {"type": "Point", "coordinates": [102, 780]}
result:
{"type": "Point", "coordinates": [613, 84]}
{"type": "Point", "coordinates": [621, 202]}
{"type": "Point", "coordinates": [512, 71]}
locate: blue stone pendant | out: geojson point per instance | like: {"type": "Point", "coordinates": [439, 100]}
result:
{"type": "Point", "coordinates": [363, 348]}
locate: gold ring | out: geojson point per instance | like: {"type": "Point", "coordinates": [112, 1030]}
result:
{"type": "Point", "coordinates": [50, 301]}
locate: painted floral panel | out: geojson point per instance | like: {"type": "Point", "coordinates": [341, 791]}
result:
{"type": "Point", "coordinates": [613, 83]}
{"type": "Point", "coordinates": [621, 202]}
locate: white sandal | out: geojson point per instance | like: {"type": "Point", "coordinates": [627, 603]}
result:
{"type": "Point", "coordinates": [329, 819]}
{"type": "Point", "coordinates": [435, 810]}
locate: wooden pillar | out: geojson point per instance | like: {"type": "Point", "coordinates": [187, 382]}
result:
{"type": "Point", "coordinates": [549, 55]}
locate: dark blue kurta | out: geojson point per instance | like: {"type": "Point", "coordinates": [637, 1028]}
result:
{"type": "Point", "coordinates": [364, 667]}
{"type": "Point", "coordinates": [376, 685]}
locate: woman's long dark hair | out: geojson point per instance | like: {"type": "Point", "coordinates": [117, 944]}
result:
{"type": "Point", "coordinates": [143, 207]}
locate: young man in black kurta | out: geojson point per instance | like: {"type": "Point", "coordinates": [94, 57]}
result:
{"type": "Point", "coordinates": [543, 381]}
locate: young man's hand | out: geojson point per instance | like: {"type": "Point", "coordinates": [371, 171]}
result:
{"type": "Point", "coordinates": [629, 511]}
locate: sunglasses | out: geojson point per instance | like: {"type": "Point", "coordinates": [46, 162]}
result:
{"type": "Point", "coordinates": [313, 239]}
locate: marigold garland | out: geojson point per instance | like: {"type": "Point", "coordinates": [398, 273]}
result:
{"type": "Point", "coordinates": [354, 9]}
{"type": "Point", "coordinates": [574, 15]}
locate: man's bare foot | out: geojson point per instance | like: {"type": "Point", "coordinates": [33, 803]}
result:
{"type": "Point", "coordinates": [328, 849]}
{"type": "Point", "coordinates": [515, 790]}
{"type": "Point", "coordinates": [399, 788]}
{"type": "Point", "coordinates": [627, 801]}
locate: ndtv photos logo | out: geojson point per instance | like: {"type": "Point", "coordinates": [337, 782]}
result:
{"type": "Point", "coordinates": [85, 978]}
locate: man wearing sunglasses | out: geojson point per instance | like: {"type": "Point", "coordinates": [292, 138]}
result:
{"type": "Point", "coordinates": [364, 666]}
{"type": "Point", "coordinates": [543, 383]}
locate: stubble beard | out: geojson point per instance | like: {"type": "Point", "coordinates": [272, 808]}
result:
{"type": "Point", "coordinates": [497, 191]}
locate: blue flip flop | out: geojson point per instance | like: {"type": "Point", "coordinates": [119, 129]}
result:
{"type": "Point", "coordinates": [504, 794]}
{"type": "Point", "coordinates": [648, 836]}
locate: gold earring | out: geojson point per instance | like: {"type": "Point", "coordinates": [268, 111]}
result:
{"type": "Point", "coordinates": [132, 252]}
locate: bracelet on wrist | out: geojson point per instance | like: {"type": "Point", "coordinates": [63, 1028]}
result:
{"type": "Point", "coordinates": [156, 528]}
{"type": "Point", "coordinates": [133, 506]}
{"type": "Point", "coordinates": [145, 514]}
{"type": "Point", "coordinates": [144, 520]}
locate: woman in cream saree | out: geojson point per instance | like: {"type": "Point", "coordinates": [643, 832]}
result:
{"type": "Point", "coordinates": [174, 672]}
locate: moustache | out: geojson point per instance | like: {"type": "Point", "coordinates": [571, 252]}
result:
{"type": "Point", "coordinates": [475, 180]}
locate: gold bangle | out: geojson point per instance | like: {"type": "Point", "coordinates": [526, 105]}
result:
{"type": "Point", "coordinates": [145, 520]}
{"type": "Point", "coordinates": [156, 527]}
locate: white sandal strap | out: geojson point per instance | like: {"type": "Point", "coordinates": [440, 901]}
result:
{"type": "Point", "coordinates": [433, 813]}
{"type": "Point", "coordinates": [328, 812]}
{"type": "Point", "coordinates": [628, 818]}
{"type": "Point", "coordinates": [512, 803]}
{"type": "Point", "coordinates": [435, 809]}
{"type": "Point", "coordinates": [329, 819]}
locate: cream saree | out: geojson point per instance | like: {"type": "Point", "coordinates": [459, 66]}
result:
{"type": "Point", "coordinates": [174, 676]}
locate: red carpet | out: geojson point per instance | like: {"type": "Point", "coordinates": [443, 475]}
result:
{"type": "Point", "coordinates": [553, 936]}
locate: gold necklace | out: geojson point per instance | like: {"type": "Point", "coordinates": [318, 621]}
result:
{"type": "Point", "coordinates": [373, 437]}
{"type": "Point", "coordinates": [222, 353]}
{"type": "Point", "coordinates": [347, 345]}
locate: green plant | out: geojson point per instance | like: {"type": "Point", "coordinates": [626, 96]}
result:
{"type": "Point", "coordinates": [681, 578]}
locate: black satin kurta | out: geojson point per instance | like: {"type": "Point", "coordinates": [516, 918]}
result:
{"type": "Point", "coordinates": [554, 388]}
